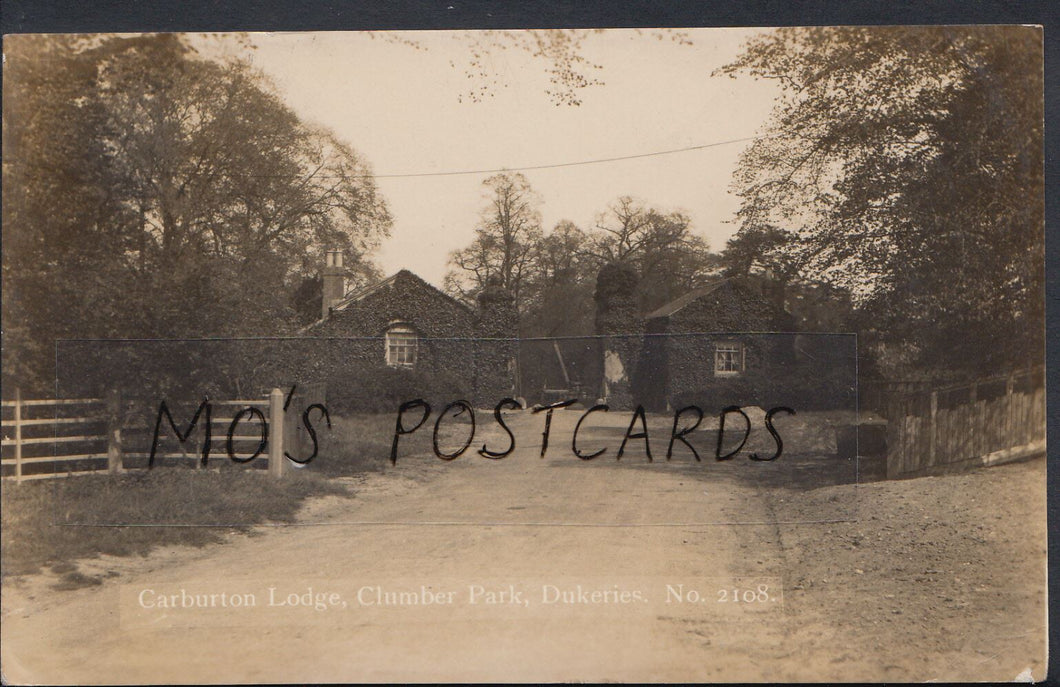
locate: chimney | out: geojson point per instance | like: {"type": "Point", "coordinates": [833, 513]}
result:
{"type": "Point", "coordinates": [334, 278]}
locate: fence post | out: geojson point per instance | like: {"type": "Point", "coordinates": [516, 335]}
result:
{"type": "Point", "coordinates": [18, 435]}
{"type": "Point", "coordinates": [932, 429]}
{"type": "Point", "coordinates": [276, 433]}
{"type": "Point", "coordinates": [114, 422]}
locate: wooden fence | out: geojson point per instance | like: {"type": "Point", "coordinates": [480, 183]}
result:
{"type": "Point", "coordinates": [992, 420]}
{"type": "Point", "coordinates": [890, 398]}
{"type": "Point", "coordinates": [45, 438]}
{"type": "Point", "coordinates": [70, 433]}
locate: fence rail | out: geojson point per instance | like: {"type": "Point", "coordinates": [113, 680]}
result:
{"type": "Point", "coordinates": [991, 420]}
{"type": "Point", "coordinates": [19, 433]}
{"type": "Point", "coordinates": [101, 425]}
{"type": "Point", "coordinates": [50, 402]}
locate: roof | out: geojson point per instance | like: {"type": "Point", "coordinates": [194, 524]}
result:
{"type": "Point", "coordinates": [690, 297]}
{"type": "Point", "coordinates": [365, 291]}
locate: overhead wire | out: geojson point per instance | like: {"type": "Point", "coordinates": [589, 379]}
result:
{"type": "Point", "coordinates": [498, 170]}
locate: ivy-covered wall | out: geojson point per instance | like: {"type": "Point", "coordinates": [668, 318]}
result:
{"type": "Point", "coordinates": [405, 298]}
{"type": "Point", "coordinates": [774, 373]}
{"type": "Point", "coordinates": [674, 363]}
{"type": "Point", "coordinates": [470, 351]}
{"type": "Point", "coordinates": [731, 307]}
{"type": "Point", "coordinates": [462, 353]}
{"type": "Point", "coordinates": [725, 315]}
{"type": "Point", "coordinates": [496, 349]}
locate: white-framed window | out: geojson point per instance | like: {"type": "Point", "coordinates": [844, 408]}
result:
{"type": "Point", "coordinates": [728, 358]}
{"type": "Point", "coordinates": [401, 345]}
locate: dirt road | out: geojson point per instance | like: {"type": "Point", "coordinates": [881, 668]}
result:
{"type": "Point", "coordinates": [557, 569]}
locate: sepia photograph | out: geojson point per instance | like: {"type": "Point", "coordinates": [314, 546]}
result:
{"type": "Point", "coordinates": [524, 355]}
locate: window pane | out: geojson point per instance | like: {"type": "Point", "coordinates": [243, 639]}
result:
{"type": "Point", "coordinates": [401, 344]}
{"type": "Point", "coordinates": [728, 357]}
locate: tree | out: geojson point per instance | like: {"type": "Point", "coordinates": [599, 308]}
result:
{"type": "Point", "coordinates": [152, 193]}
{"type": "Point", "coordinates": [761, 249]}
{"type": "Point", "coordinates": [906, 166]}
{"type": "Point", "coordinates": [669, 259]}
{"type": "Point", "coordinates": [506, 241]}
{"type": "Point", "coordinates": [562, 52]}
{"type": "Point", "coordinates": [553, 276]}
{"type": "Point", "coordinates": [559, 292]}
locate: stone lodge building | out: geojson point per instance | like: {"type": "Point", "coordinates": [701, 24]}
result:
{"type": "Point", "coordinates": [404, 322]}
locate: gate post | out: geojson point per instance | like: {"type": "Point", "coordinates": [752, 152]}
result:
{"type": "Point", "coordinates": [276, 433]}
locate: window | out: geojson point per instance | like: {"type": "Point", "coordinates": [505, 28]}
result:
{"type": "Point", "coordinates": [728, 359]}
{"type": "Point", "coordinates": [401, 344]}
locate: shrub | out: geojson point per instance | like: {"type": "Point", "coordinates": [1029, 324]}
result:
{"type": "Point", "coordinates": [800, 388]}
{"type": "Point", "coordinates": [384, 389]}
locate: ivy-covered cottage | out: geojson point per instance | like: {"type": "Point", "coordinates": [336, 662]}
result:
{"type": "Point", "coordinates": [403, 323]}
{"type": "Point", "coordinates": [709, 341]}
{"type": "Point", "coordinates": [731, 342]}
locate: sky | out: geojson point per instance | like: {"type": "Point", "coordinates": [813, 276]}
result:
{"type": "Point", "coordinates": [405, 109]}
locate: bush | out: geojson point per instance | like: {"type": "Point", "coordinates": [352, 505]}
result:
{"type": "Point", "coordinates": [384, 389]}
{"type": "Point", "coordinates": [801, 389]}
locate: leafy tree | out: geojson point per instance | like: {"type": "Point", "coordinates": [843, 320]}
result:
{"type": "Point", "coordinates": [761, 249]}
{"type": "Point", "coordinates": [669, 259]}
{"type": "Point", "coordinates": [559, 291]}
{"type": "Point", "coordinates": [905, 165]}
{"type": "Point", "coordinates": [506, 241]}
{"type": "Point", "coordinates": [561, 51]}
{"type": "Point", "coordinates": [553, 276]}
{"type": "Point", "coordinates": [152, 193]}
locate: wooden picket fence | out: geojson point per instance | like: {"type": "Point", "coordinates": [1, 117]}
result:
{"type": "Point", "coordinates": [890, 398]}
{"type": "Point", "coordinates": [45, 438]}
{"type": "Point", "coordinates": [992, 420]}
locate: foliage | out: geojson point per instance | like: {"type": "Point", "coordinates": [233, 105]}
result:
{"type": "Point", "coordinates": [761, 249]}
{"type": "Point", "coordinates": [905, 165]}
{"type": "Point", "coordinates": [562, 51]}
{"type": "Point", "coordinates": [660, 246]}
{"type": "Point", "coordinates": [355, 443]}
{"type": "Point", "coordinates": [505, 242]}
{"type": "Point", "coordinates": [383, 389]}
{"type": "Point", "coordinates": [151, 193]}
{"type": "Point", "coordinates": [552, 276]}
{"type": "Point", "coordinates": [558, 297]}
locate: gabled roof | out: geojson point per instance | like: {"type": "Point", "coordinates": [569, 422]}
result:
{"type": "Point", "coordinates": [367, 290]}
{"type": "Point", "coordinates": [363, 292]}
{"type": "Point", "coordinates": [685, 300]}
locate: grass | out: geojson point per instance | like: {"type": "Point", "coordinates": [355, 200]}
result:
{"type": "Point", "coordinates": [49, 523]}
{"type": "Point", "coordinates": [362, 442]}
{"type": "Point", "coordinates": [355, 443]}
{"type": "Point", "coordinates": [54, 522]}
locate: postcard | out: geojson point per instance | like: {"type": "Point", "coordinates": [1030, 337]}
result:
{"type": "Point", "coordinates": [657, 355]}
